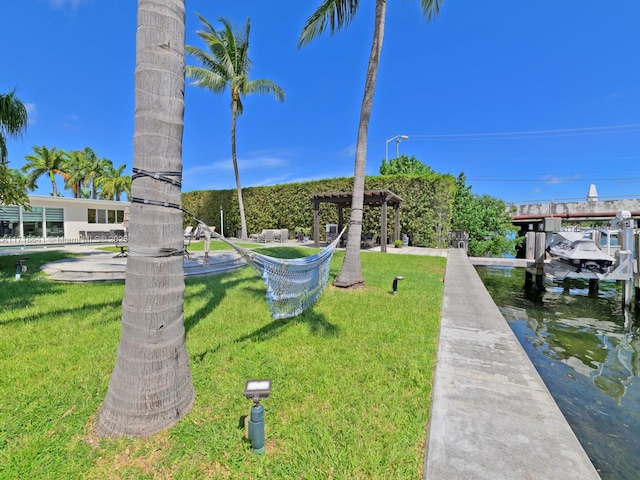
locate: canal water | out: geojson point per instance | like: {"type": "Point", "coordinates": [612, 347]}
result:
{"type": "Point", "coordinates": [587, 351]}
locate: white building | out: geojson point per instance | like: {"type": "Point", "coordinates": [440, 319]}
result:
{"type": "Point", "coordinates": [60, 219]}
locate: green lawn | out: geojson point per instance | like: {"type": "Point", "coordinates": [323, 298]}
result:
{"type": "Point", "coordinates": [351, 377]}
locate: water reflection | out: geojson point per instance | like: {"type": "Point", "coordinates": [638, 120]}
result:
{"type": "Point", "coordinates": [603, 350]}
{"type": "Point", "coordinates": [587, 350]}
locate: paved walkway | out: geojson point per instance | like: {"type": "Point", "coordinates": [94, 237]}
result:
{"type": "Point", "coordinates": [96, 266]}
{"type": "Point", "coordinates": [492, 417]}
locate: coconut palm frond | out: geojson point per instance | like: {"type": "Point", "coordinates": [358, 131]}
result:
{"type": "Point", "coordinates": [335, 14]}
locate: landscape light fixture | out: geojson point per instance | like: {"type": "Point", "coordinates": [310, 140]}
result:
{"type": "Point", "coordinates": [257, 390]}
{"type": "Point", "coordinates": [398, 139]}
{"type": "Point", "coordinates": [20, 267]}
{"type": "Point", "coordinates": [395, 284]}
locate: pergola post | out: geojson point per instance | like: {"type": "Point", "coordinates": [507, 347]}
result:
{"type": "Point", "coordinates": [316, 223]}
{"type": "Point", "coordinates": [383, 198]}
{"type": "Point", "coordinates": [383, 226]}
{"type": "Point", "coordinates": [396, 228]}
{"type": "Point", "coordinates": [340, 221]}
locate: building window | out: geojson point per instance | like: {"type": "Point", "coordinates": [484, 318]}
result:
{"type": "Point", "coordinates": [104, 216]}
{"type": "Point", "coordinates": [9, 221]}
{"type": "Point", "coordinates": [32, 222]}
{"type": "Point", "coordinates": [55, 222]}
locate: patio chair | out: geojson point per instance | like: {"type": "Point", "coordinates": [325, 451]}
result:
{"type": "Point", "coordinates": [188, 235]}
{"type": "Point", "coordinates": [370, 240]}
{"type": "Point", "coordinates": [121, 241]}
{"type": "Point", "coordinates": [282, 235]}
{"type": "Point", "coordinates": [269, 236]}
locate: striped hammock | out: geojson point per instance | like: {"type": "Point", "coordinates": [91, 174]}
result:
{"type": "Point", "coordinates": [293, 285]}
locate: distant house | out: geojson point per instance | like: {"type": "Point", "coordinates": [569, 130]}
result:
{"type": "Point", "coordinates": [61, 219]}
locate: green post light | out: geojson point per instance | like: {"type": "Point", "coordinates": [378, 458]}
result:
{"type": "Point", "coordinates": [20, 268]}
{"type": "Point", "coordinates": [257, 390]}
{"type": "Point", "coordinates": [394, 286]}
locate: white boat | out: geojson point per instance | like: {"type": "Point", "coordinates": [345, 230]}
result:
{"type": "Point", "coordinates": [573, 250]}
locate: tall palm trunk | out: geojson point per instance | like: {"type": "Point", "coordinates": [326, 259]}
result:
{"type": "Point", "coordinates": [351, 272]}
{"type": "Point", "coordinates": [243, 220]}
{"type": "Point", "coordinates": [54, 187]}
{"type": "Point", "coordinates": [151, 386]}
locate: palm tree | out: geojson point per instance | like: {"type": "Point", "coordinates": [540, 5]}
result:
{"type": "Point", "coordinates": [227, 64]}
{"type": "Point", "coordinates": [113, 184]}
{"type": "Point", "coordinates": [44, 161]}
{"type": "Point", "coordinates": [337, 14]}
{"type": "Point", "coordinates": [74, 171]}
{"type": "Point", "coordinates": [97, 167]}
{"type": "Point", "coordinates": [13, 121]}
{"type": "Point", "coordinates": [151, 386]}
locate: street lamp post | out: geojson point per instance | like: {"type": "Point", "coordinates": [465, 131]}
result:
{"type": "Point", "coordinates": [398, 139]}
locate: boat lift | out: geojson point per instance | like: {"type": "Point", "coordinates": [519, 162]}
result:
{"type": "Point", "coordinates": [624, 269]}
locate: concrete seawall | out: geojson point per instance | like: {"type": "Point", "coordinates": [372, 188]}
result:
{"type": "Point", "coordinates": [492, 417]}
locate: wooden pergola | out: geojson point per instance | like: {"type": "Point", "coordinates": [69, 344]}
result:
{"type": "Point", "coordinates": [373, 198]}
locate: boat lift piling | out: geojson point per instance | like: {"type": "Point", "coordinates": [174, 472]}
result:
{"type": "Point", "coordinates": [636, 276]}
{"type": "Point", "coordinates": [626, 256]}
{"type": "Point", "coordinates": [536, 249]}
{"type": "Point", "coordinates": [625, 268]}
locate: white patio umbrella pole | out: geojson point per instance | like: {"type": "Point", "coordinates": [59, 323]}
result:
{"type": "Point", "coordinates": [221, 221]}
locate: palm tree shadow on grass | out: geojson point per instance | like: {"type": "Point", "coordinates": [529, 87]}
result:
{"type": "Point", "coordinates": [317, 323]}
{"type": "Point", "coordinates": [216, 287]}
{"type": "Point", "coordinates": [19, 295]}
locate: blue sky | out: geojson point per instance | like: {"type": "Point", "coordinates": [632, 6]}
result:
{"type": "Point", "coordinates": [532, 100]}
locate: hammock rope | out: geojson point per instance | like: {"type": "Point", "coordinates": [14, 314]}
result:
{"type": "Point", "coordinates": [294, 284]}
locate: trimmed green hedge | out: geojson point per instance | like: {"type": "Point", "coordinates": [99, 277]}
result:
{"type": "Point", "coordinates": [425, 215]}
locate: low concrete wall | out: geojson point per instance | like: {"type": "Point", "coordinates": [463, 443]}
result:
{"type": "Point", "coordinates": [577, 209]}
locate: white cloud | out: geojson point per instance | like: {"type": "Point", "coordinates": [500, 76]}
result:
{"type": "Point", "coordinates": [62, 4]}
{"type": "Point", "coordinates": [264, 181]}
{"type": "Point", "coordinates": [32, 113]}
{"type": "Point", "coordinates": [349, 151]}
{"type": "Point", "coordinates": [218, 175]}
{"type": "Point", "coordinates": [254, 161]}
{"type": "Point", "coordinates": [258, 168]}
{"type": "Point", "coordinates": [554, 179]}
{"type": "Point", "coordinates": [322, 176]}
{"type": "Point", "coordinates": [71, 122]}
